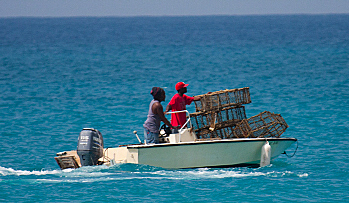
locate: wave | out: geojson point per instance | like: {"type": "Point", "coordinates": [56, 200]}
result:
{"type": "Point", "coordinates": [122, 172]}
{"type": "Point", "coordinates": [205, 173]}
{"type": "Point", "coordinates": [9, 172]}
{"type": "Point", "coordinates": [85, 171]}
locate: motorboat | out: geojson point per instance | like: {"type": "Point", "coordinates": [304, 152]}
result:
{"type": "Point", "coordinates": [214, 136]}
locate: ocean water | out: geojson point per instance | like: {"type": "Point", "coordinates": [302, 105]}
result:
{"type": "Point", "coordinates": [59, 75]}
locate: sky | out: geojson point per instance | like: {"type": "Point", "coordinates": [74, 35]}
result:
{"type": "Point", "coordinates": [69, 8]}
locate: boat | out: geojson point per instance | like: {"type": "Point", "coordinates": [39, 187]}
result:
{"type": "Point", "coordinates": [217, 135]}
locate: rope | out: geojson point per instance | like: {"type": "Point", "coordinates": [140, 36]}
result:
{"type": "Point", "coordinates": [293, 153]}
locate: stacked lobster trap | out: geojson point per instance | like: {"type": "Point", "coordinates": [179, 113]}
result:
{"type": "Point", "coordinates": [222, 115]}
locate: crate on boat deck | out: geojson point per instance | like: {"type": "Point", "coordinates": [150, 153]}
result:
{"type": "Point", "coordinates": [217, 123]}
{"type": "Point", "coordinates": [221, 99]}
{"type": "Point", "coordinates": [265, 124]}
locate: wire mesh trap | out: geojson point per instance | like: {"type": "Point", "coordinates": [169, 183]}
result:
{"type": "Point", "coordinates": [221, 99]}
{"type": "Point", "coordinates": [217, 123]}
{"type": "Point", "coordinates": [265, 124]}
{"type": "Point", "coordinates": [221, 115]}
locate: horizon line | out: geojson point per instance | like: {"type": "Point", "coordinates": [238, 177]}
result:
{"type": "Point", "coordinates": [189, 15]}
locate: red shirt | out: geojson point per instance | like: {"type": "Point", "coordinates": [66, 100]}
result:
{"type": "Point", "coordinates": [178, 104]}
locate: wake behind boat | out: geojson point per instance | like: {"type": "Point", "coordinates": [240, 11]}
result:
{"type": "Point", "coordinates": [218, 134]}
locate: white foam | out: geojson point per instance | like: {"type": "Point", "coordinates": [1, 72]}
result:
{"type": "Point", "coordinates": [9, 171]}
{"type": "Point", "coordinates": [224, 173]}
{"type": "Point", "coordinates": [209, 173]}
{"type": "Point", "coordinates": [303, 175]}
{"type": "Point", "coordinates": [102, 174]}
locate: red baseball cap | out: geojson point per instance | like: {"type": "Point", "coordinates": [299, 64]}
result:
{"type": "Point", "coordinates": [180, 85]}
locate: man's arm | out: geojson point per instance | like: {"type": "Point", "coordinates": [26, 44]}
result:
{"type": "Point", "coordinates": [158, 109]}
{"type": "Point", "coordinates": [196, 98]}
{"type": "Point", "coordinates": [168, 108]}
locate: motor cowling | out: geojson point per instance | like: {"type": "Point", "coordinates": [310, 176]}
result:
{"type": "Point", "coordinates": [90, 146]}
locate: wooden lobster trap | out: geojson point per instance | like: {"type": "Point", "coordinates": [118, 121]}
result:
{"type": "Point", "coordinates": [215, 124]}
{"type": "Point", "coordinates": [265, 124]}
{"type": "Point", "coordinates": [222, 99]}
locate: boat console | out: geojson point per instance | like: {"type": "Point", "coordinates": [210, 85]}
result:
{"type": "Point", "coordinates": [184, 134]}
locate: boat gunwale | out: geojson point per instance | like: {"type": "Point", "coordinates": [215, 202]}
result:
{"type": "Point", "coordinates": [132, 146]}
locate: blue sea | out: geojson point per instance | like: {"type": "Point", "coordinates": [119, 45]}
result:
{"type": "Point", "coordinates": [60, 75]}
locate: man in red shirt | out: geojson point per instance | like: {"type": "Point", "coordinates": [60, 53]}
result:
{"type": "Point", "coordinates": [178, 103]}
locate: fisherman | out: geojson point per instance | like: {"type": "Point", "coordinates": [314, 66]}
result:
{"type": "Point", "coordinates": [155, 116]}
{"type": "Point", "coordinates": [178, 103]}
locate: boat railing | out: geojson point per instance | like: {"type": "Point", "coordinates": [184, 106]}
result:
{"type": "Point", "coordinates": [188, 120]}
{"type": "Point", "coordinates": [185, 124]}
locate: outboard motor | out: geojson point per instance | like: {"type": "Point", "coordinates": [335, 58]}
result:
{"type": "Point", "coordinates": [90, 146]}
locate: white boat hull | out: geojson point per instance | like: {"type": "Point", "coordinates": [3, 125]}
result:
{"type": "Point", "coordinates": [197, 154]}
